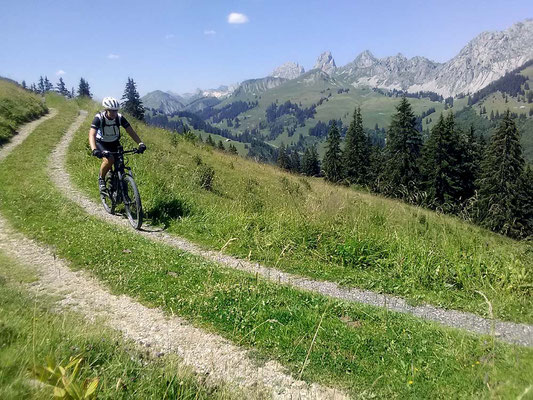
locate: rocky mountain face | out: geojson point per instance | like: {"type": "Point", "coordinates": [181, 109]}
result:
{"type": "Point", "coordinates": [326, 63]}
{"type": "Point", "coordinates": [254, 86]}
{"type": "Point", "coordinates": [483, 60]}
{"type": "Point", "coordinates": [289, 70]}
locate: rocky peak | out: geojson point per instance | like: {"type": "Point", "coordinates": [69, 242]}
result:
{"type": "Point", "coordinates": [289, 70]}
{"type": "Point", "coordinates": [326, 63]}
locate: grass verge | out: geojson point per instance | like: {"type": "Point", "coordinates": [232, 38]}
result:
{"type": "Point", "coordinates": [364, 350]}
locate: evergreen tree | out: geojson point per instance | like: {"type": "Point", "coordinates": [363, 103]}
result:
{"type": "Point", "coordinates": [132, 101]}
{"type": "Point", "coordinates": [332, 163]}
{"type": "Point", "coordinates": [523, 227]}
{"type": "Point", "coordinates": [61, 87]}
{"type": "Point", "coordinates": [356, 155]}
{"type": "Point", "coordinates": [221, 145]}
{"type": "Point", "coordinates": [502, 168]}
{"type": "Point", "coordinates": [41, 85]}
{"type": "Point", "coordinates": [47, 84]}
{"type": "Point", "coordinates": [72, 93]}
{"type": "Point", "coordinates": [233, 149]}
{"type": "Point", "coordinates": [442, 159]}
{"type": "Point", "coordinates": [310, 163]}
{"type": "Point", "coordinates": [283, 158]}
{"type": "Point", "coordinates": [23, 84]}
{"type": "Point", "coordinates": [210, 141]}
{"type": "Point", "coordinates": [84, 89]}
{"type": "Point", "coordinates": [402, 150]}
{"type": "Point", "coordinates": [33, 88]}
{"type": "Point", "coordinates": [295, 161]}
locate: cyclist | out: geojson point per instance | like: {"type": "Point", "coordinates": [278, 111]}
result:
{"type": "Point", "coordinates": [104, 135]}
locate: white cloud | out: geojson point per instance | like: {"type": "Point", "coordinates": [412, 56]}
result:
{"type": "Point", "coordinates": [237, 18]}
{"type": "Point", "coordinates": [60, 72]}
{"type": "Point", "coordinates": [210, 32]}
{"type": "Point", "coordinates": [113, 56]}
{"type": "Point", "coordinates": [170, 36]}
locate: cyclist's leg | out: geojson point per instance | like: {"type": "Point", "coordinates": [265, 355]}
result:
{"type": "Point", "coordinates": [107, 162]}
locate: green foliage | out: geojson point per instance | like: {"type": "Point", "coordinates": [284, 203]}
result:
{"type": "Point", "coordinates": [442, 168]}
{"type": "Point", "coordinates": [356, 155]}
{"type": "Point", "coordinates": [132, 103]}
{"type": "Point", "coordinates": [332, 163]}
{"type": "Point", "coordinates": [402, 150]}
{"type": "Point", "coordinates": [65, 379]}
{"type": "Point", "coordinates": [283, 159]}
{"type": "Point", "coordinates": [502, 167]}
{"type": "Point", "coordinates": [310, 162]}
{"type": "Point", "coordinates": [83, 89]}
{"type": "Point", "coordinates": [205, 176]}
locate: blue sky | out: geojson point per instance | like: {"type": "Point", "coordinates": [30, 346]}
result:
{"type": "Point", "coordinates": [183, 45]}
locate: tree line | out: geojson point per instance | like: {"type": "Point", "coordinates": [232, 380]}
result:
{"type": "Point", "coordinates": [452, 171]}
{"type": "Point", "coordinates": [131, 100]}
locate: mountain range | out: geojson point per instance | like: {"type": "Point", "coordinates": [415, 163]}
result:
{"type": "Point", "coordinates": [484, 59]}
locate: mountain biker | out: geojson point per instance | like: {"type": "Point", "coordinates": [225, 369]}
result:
{"type": "Point", "coordinates": [104, 135]}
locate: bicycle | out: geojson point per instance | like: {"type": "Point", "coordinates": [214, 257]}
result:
{"type": "Point", "coordinates": [121, 188]}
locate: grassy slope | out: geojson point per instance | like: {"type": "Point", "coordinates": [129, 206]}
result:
{"type": "Point", "coordinates": [30, 331]}
{"type": "Point", "coordinates": [306, 226]}
{"type": "Point", "coordinates": [418, 359]}
{"type": "Point", "coordinates": [16, 107]}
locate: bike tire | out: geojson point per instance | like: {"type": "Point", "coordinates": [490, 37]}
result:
{"type": "Point", "coordinates": [132, 202]}
{"type": "Point", "coordinates": [107, 198]}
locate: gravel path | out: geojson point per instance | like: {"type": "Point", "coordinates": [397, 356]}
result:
{"type": "Point", "coordinates": [510, 332]}
{"type": "Point", "coordinates": [208, 354]}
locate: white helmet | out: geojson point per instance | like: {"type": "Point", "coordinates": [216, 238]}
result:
{"type": "Point", "coordinates": [110, 103]}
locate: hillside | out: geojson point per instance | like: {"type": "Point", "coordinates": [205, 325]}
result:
{"type": "Point", "coordinates": [259, 213]}
{"type": "Point", "coordinates": [16, 107]}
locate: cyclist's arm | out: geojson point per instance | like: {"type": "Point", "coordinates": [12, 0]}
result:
{"type": "Point", "coordinates": [92, 138]}
{"type": "Point", "coordinates": [133, 134]}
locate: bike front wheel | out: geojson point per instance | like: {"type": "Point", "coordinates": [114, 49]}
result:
{"type": "Point", "coordinates": [132, 202]}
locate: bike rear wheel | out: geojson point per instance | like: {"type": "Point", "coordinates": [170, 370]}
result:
{"type": "Point", "coordinates": [132, 202]}
{"type": "Point", "coordinates": [107, 197]}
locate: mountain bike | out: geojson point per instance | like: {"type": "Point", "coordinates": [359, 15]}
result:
{"type": "Point", "coordinates": [122, 189]}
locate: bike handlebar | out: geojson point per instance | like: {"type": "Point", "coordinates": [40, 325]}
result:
{"type": "Point", "coordinates": [133, 151]}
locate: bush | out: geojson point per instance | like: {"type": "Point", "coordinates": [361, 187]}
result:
{"type": "Point", "coordinates": [205, 176]}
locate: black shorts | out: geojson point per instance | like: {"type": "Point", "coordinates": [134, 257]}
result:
{"type": "Point", "coordinates": [107, 146]}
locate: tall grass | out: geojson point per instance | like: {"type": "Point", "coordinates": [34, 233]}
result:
{"type": "Point", "coordinates": [309, 227]}
{"type": "Point", "coordinates": [16, 107]}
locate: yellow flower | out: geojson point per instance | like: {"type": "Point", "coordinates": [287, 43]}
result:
{"type": "Point", "coordinates": [410, 382]}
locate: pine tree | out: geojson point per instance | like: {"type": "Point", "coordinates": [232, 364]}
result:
{"type": "Point", "coordinates": [356, 155]}
{"type": "Point", "coordinates": [47, 84]}
{"type": "Point", "coordinates": [61, 87]}
{"type": "Point", "coordinates": [84, 89]}
{"type": "Point", "coordinates": [502, 167]}
{"type": "Point", "coordinates": [210, 141]}
{"type": "Point", "coordinates": [332, 163]}
{"type": "Point", "coordinates": [233, 149]}
{"type": "Point", "coordinates": [41, 85]}
{"type": "Point", "coordinates": [283, 158]}
{"type": "Point", "coordinates": [23, 84]}
{"type": "Point", "coordinates": [132, 101]}
{"type": "Point", "coordinates": [295, 161]}
{"type": "Point", "coordinates": [72, 93]}
{"type": "Point", "coordinates": [310, 163]}
{"type": "Point", "coordinates": [474, 147]}
{"type": "Point", "coordinates": [442, 160]}
{"type": "Point", "coordinates": [523, 227]}
{"type": "Point", "coordinates": [402, 150]}
{"type": "Point", "coordinates": [221, 146]}
{"type": "Point", "coordinates": [33, 88]}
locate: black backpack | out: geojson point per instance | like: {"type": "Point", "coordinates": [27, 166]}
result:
{"type": "Point", "coordinates": [102, 123]}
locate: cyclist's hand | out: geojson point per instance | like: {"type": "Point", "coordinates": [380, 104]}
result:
{"type": "Point", "coordinates": [142, 148]}
{"type": "Point", "coordinates": [97, 153]}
